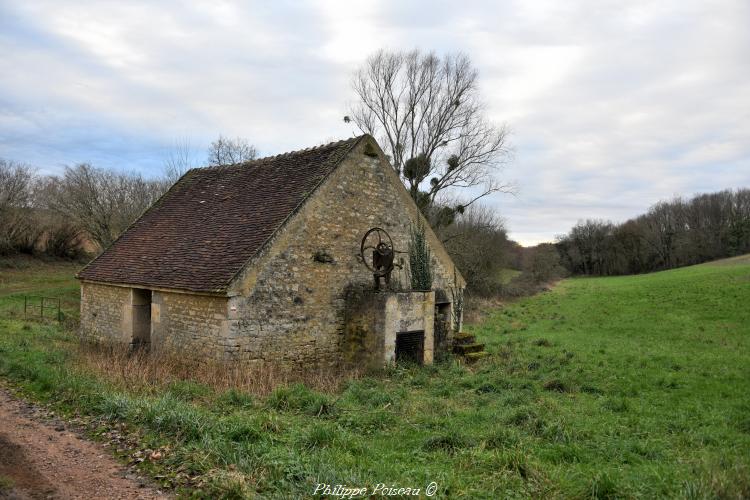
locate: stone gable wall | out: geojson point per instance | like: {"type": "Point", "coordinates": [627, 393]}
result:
{"type": "Point", "coordinates": [287, 306]}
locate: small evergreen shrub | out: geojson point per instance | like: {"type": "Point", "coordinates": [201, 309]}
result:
{"type": "Point", "coordinates": [420, 258]}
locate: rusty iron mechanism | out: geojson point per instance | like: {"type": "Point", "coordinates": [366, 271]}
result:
{"type": "Point", "coordinates": [380, 260]}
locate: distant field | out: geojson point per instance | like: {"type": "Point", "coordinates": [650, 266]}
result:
{"type": "Point", "coordinates": [506, 275]}
{"type": "Point", "coordinates": [32, 278]}
{"type": "Point", "coordinates": [601, 388]}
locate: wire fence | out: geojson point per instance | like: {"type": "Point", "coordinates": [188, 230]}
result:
{"type": "Point", "coordinates": [61, 310]}
{"type": "Point", "coordinates": [42, 308]}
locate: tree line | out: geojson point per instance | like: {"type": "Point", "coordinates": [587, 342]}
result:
{"type": "Point", "coordinates": [428, 115]}
{"type": "Point", "coordinates": [86, 208]}
{"type": "Point", "coordinates": [83, 210]}
{"type": "Point", "coordinates": [680, 232]}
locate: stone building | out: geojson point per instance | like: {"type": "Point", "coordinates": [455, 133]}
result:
{"type": "Point", "coordinates": [262, 262]}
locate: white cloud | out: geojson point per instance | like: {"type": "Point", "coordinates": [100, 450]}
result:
{"type": "Point", "coordinates": [613, 105]}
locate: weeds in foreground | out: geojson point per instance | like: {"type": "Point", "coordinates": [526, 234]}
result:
{"type": "Point", "coordinates": [191, 379]}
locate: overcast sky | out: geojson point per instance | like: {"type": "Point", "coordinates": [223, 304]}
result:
{"type": "Point", "coordinates": [613, 105]}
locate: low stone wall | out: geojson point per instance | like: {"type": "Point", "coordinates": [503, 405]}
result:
{"type": "Point", "coordinates": [409, 312]}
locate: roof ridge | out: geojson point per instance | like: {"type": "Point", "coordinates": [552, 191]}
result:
{"type": "Point", "coordinates": [286, 154]}
{"type": "Point", "coordinates": [212, 222]}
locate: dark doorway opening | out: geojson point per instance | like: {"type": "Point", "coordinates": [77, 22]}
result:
{"type": "Point", "coordinates": [443, 322]}
{"type": "Point", "coordinates": [141, 318]}
{"type": "Point", "coordinates": [410, 347]}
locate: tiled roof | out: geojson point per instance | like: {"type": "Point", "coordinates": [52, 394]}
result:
{"type": "Point", "coordinates": [200, 234]}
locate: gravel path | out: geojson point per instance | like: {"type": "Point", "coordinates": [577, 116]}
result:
{"type": "Point", "coordinates": [40, 459]}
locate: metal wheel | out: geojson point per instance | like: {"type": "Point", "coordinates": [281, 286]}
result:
{"type": "Point", "coordinates": [374, 239]}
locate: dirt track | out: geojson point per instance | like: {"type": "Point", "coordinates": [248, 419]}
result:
{"type": "Point", "coordinates": [46, 460]}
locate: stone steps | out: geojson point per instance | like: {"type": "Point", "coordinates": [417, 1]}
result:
{"type": "Point", "coordinates": [465, 345]}
{"type": "Point", "coordinates": [468, 348]}
{"type": "Point", "coordinates": [464, 338]}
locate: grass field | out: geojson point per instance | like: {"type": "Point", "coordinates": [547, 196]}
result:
{"type": "Point", "coordinates": [601, 388]}
{"type": "Point", "coordinates": [33, 279]}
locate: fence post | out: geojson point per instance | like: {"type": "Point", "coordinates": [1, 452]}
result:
{"type": "Point", "coordinates": [25, 300]}
{"type": "Point", "coordinates": [41, 309]}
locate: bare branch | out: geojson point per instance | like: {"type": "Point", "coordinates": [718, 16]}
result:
{"type": "Point", "coordinates": [101, 202]}
{"type": "Point", "coordinates": [224, 151]}
{"type": "Point", "coordinates": [180, 158]}
{"type": "Point", "coordinates": [418, 105]}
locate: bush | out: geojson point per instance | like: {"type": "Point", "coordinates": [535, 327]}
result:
{"type": "Point", "coordinates": [63, 241]}
{"type": "Point", "coordinates": [478, 244]}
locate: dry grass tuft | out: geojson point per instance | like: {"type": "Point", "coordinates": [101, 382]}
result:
{"type": "Point", "coordinates": [479, 308]}
{"type": "Point", "coordinates": [151, 371]}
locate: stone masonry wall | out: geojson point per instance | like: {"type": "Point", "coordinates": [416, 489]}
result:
{"type": "Point", "coordinates": [408, 312]}
{"type": "Point", "coordinates": [363, 341]}
{"type": "Point", "coordinates": [374, 319]}
{"type": "Point", "coordinates": [288, 306]}
{"type": "Point", "coordinates": [194, 325]}
{"type": "Point", "coordinates": [105, 312]}
{"type": "Point", "coordinates": [191, 324]}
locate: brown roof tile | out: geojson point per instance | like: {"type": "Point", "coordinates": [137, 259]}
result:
{"type": "Point", "coordinates": [213, 220]}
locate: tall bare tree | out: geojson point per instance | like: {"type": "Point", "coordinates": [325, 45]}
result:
{"type": "Point", "coordinates": [101, 202]}
{"type": "Point", "coordinates": [428, 115]}
{"type": "Point", "coordinates": [15, 184]}
{"type": "Point", "coordinates": [17, 231]}
{"type": "Point", "coordinates": [225, 151]}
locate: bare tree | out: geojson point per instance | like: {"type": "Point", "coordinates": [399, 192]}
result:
{"type": "Point", "coordinates": [427, 114]}
{"type": "Point", "coordinates": [15, 184]}
{"type": "Point", "coordinates": [224, 151]}
{"type": "Point", "coordinates": [180, 158]}
{"type": "Point", "coordinates": [101, 202]}
{"type": "Point", "coordinates": [17, 229]}
{"type": "Point", "coordinates": [478, 243]}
